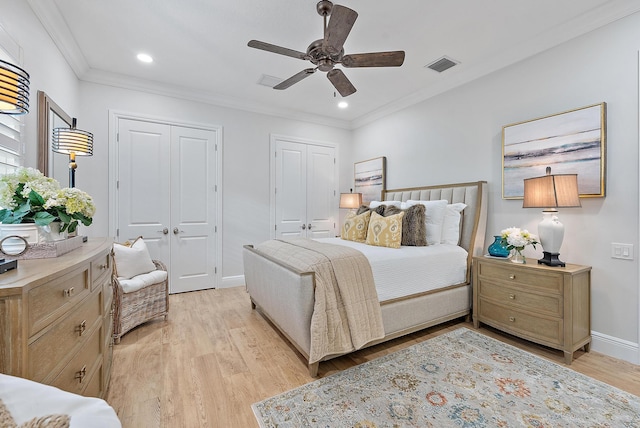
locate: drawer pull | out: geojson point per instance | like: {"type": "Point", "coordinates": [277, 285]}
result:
{"type": "Point", "coordinates": [103, 267]}
{"type": "Point", "coordinates": [81, 374]}
{"type": "Point", "coordinates": [81, 328]}
{"type": "Point", "coordinates": [68, 292]}
{"type": "Point", "coordinates": [512, 276]}
{"type": "Point", "coordinates": [512, 319]}
{"type": "Point", "coordinates": [512, 296]}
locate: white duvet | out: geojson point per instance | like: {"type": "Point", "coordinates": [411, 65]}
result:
{"type": "Point", "coordinates": [26, 400]}
{"type": "Point", "coordinates": [400, 272]}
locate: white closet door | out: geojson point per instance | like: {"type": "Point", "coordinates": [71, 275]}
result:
{"type": "Point", "coordinates": [321, 193]}
{"type": "Point", "coordinates": [291, 189]}
{"type": "Point", "coordinates": [167, 194]}
{"type": "Point", "coordinates": [193, 209]}
{"type": "Point", "coordinates": [305, 201]}
{"type": "Point", "coordinates": [144, 199]}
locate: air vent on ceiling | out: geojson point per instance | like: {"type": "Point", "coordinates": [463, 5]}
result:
{"type": "Point", "coordinates": [442, 64]}
{"type": "Point", "coordinates": [269, 81]}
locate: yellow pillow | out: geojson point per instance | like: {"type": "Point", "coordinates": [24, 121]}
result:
{"type": "Point", "coordinates": [355, 226]}
{"type": "Point", "coordinates": [385, 231]}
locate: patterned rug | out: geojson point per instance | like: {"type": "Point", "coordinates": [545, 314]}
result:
{"type": "Point", "coordinates": [458, 379]}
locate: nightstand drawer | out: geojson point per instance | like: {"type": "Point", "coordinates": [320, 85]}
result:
{"type": "Point", "coordinates": [515, 297]}
{"type": "Point", "coordinates": [515, 275]}
{"type": "Point", "coordinates": [527, 325]}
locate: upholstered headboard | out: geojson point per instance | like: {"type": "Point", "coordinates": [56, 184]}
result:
{"type": "Point", "coordinates": [474, 219]}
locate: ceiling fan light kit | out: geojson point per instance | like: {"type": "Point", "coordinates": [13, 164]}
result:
{"type": "Point", "coordinates": [328, 52]}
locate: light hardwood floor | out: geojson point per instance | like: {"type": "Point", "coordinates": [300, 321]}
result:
{"type": "Point", "coordinates": [215, 356]}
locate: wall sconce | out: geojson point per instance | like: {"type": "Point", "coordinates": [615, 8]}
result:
{"type": "Point", "coordinates": [551, 192]}
{"type": "Point", "coordinates": [14, 89]}
{"type": "Point", "coordinates": [73, 142]}
{"type": "Point", "coordinates": [350, 200]}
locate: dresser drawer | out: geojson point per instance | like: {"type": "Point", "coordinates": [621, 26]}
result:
{"type": "Point", "coordinates": [516, 297]}
{"type": "Point", "coordinates": [100, 269]}
{"type": "Point", "coordinates": [548, 330]}
{"type": "Point", "coordinates": [107, 295]}
{"type": "Point", "coordinates": [59, 341]}
{"type": "Point", "coordinates": [75, 376]}
{"type": "Point", "coordinates": [505, 272]}
{"type": "Point", "coordinates": [49, 301]}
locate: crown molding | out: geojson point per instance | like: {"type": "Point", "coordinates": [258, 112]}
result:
{"type": "Point", "coordinates": [57, 28]}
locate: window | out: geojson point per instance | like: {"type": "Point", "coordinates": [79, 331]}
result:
{"type": "Point", "coordinates": [11, 148]}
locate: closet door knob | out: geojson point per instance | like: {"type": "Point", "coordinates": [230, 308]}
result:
{"type": "Point", "coordinates": [304, 226]}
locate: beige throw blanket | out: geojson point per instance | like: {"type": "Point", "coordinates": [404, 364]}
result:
{"type": "Point", "coordinates": [347, 312]}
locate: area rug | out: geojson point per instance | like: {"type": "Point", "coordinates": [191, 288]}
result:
{"type": "Point", "coordinates": [458, 379]}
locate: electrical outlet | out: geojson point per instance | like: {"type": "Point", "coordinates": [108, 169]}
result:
{"type": "Point", "coordinates": [621, 251]}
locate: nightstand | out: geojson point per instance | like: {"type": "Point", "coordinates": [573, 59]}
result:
{"type": "Point", "coordinates": [547, 305]}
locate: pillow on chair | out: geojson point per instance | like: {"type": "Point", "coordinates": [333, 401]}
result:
{"type": "Point", "coordinates": [132, 260]}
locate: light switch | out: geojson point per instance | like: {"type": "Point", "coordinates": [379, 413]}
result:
{"type": "Point", "coordinates": [622, 251]}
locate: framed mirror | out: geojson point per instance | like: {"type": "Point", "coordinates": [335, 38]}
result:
{"type": "Point", "coordinates": [51, 115]}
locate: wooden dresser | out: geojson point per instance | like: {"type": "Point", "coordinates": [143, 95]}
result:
{"type": "Point", "coordinates": [546, 305]}
{"type": "Point", "coordinates": [56, 319]}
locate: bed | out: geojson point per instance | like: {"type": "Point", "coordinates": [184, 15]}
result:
{"type": "Point", "coordinates": [287, 296]}
{"type": "Point", "coordinates": [23, 400]}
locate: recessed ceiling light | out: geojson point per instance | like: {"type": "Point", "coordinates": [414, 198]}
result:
{"type": "Point", "coordinates": [343, 104]}
{"type": "Point", "coordinates": [144, 57]}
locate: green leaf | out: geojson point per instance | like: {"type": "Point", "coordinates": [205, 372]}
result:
{"type": "Point", "coordinates": [36, 199]}
{"type": "Point", "coordinates": [43, 218]}
{"type": "Point", "coordinates": [64, 217]}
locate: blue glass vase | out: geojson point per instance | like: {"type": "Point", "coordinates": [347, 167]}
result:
{"type": "Point", "coordinates": [496, 249]}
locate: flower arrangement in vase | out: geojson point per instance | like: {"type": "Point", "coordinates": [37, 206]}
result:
{"type": "Point", "coordinates": [27, 196]}
{"type": "Point", "coordinates": [516, 239]}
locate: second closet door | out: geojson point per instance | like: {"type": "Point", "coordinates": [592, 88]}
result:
{"type": "Point", "coordinates": [305, 190]}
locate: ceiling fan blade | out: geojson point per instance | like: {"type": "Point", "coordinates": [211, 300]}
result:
{"type": "Point", "coordinates": [374, 59]}
{"type": "Point", "coordinates": [340, 82]}
{"type": "Point", "coordinates": [341, 21]}
{"type": "Point", "coordinates": [295, 78]}
{"type": "Point", "coordinates": [276, 49]}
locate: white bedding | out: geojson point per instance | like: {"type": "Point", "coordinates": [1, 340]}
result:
{"type": "Point", "coordinates": [409, 270]}
{"type": "Point", "coordinates": [26, 400]}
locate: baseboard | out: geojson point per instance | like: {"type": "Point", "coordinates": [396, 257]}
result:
{"type": "Point", "coordinates": [615, 347]}
{"type": "Point", "coordinates": [232, 281]}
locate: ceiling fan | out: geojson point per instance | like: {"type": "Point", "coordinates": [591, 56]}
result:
{"type": "Point", "coordinates": [327, 52]}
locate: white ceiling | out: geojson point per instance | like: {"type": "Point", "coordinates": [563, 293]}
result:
{"type": "Point", "coordinates": [200, 47]}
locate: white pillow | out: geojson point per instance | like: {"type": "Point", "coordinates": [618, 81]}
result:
{"type": "Point", "coordinates": [451, 224]}
{"type": "Point", "coordinates": [133, 260]}
{"type": "Point", "coordinates": [434, 218]}
{"type": "Point", "coordinates": [376, 204]}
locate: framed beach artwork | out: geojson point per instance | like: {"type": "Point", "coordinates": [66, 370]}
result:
{"type": "Point", "coordinates": [369, 178]}
{"type": "Point", "coordinates": [572, 142]}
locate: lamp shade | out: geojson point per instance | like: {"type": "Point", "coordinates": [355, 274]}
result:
{"type": "Point", "coordinates": [551, 191]}
{"type": "Point", "coordinates": [350, 200]}
{"type": "Point", "coordinates": [14, 89]}
{"type": "Point", "coordinates": [72, 141]}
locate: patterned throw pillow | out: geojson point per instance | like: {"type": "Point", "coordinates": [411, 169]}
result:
{"type": "Point", "coordinates": [414, 231]}
{"type": "Point", "coordinates": [385, 231]}
{"type": "Point", "coordinates": [355, 226]}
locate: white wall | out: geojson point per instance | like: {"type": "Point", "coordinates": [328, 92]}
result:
{"type": "Point", "coordinates": [457, 137]}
